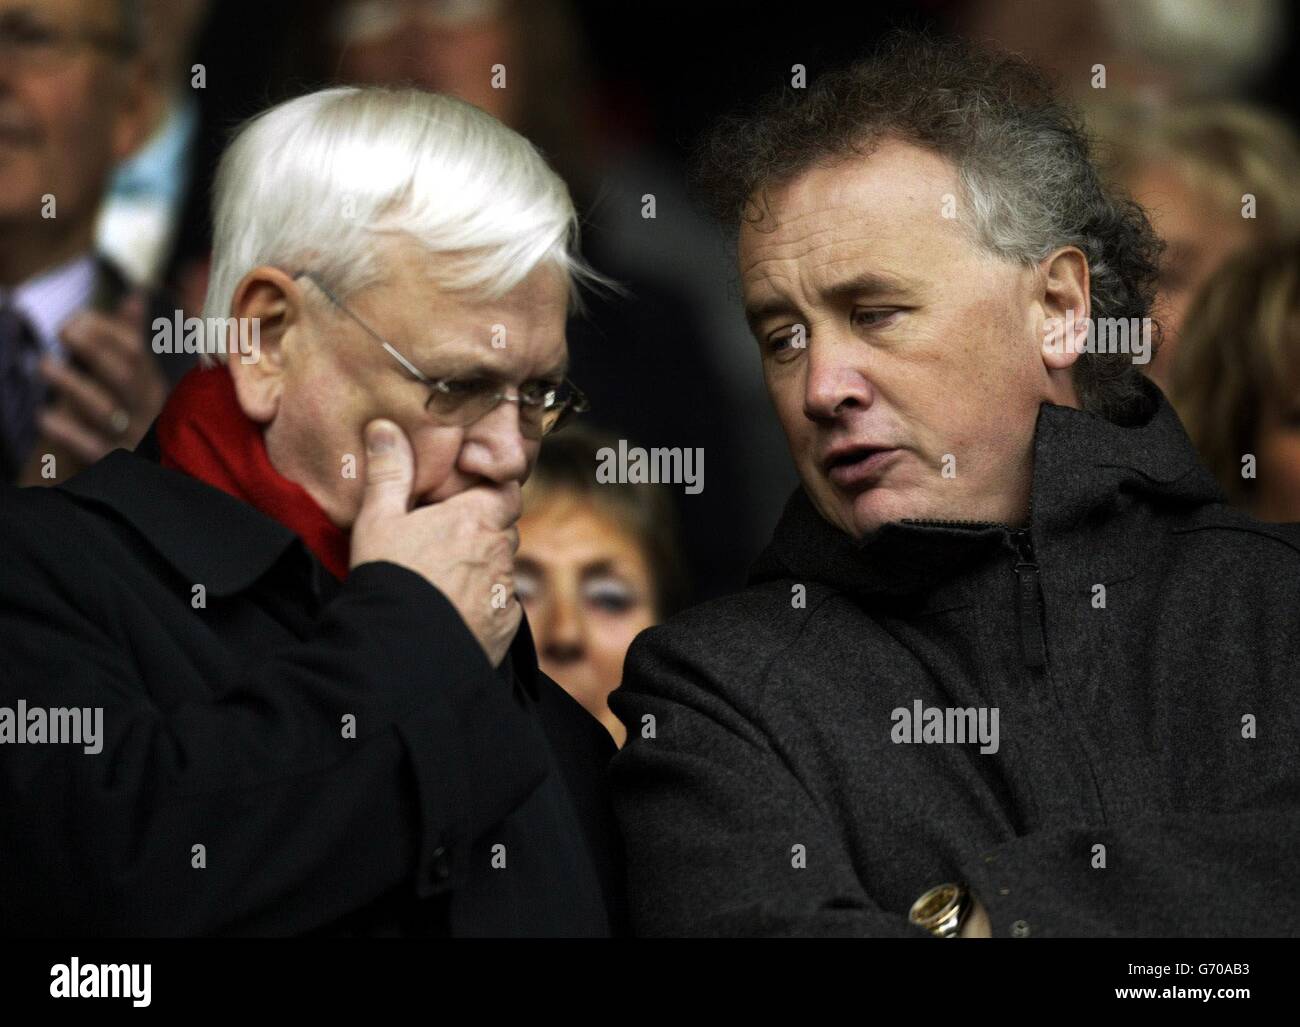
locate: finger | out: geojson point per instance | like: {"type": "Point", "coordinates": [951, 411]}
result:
{"type": "Point", "coordinates": [93, 404]}
{"type": "Point", "coordinates": [498, 506]}
{"type": "Point", "coordinates": [121, 335]}
{"type": "Point", "coordinates": [96, 345]}
{"type": "Point", "coordinates": [390, 471]}
{"type": "Point", "coordinates": [61, 427]}
{"type": "Point", "coordinates": [512, 534]}
{"type": "Point", "coordinates": [500, 559]}
{"type": "Point", "coordinates": [513, 497]}
{"type": "Point", "coordinates": [116, 356]}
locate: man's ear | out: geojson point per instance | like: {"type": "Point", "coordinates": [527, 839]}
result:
{"type": "Point", "coordinates": [1064, 300]}
{"type": "Point", "coordinates": [267, 305]}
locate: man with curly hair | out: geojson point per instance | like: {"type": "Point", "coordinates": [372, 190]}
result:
{"type": "Point", "coordinates": [1009, 665]}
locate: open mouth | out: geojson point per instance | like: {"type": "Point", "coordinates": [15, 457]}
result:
{"type": "Point", "coordinates": [858, 465]}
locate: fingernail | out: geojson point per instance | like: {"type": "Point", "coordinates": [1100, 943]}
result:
{"type": "Point", "coordinates": [379, 440]}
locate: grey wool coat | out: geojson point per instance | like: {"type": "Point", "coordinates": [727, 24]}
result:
{"type": "Point", "coordinates": [1140, 642]}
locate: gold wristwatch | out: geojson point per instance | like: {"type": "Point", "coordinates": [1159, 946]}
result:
{"type": "Point", "coordinates": [942, 910]}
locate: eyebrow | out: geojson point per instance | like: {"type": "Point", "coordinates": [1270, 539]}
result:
{"type": "Point", "coordinates": [868, 283]}
{"type": "Point", "coordinates": [487, 371]}
{"type": "Point", "coordinates": [600, 569]}
{"type": "Point", "coordinates": [479, 369]}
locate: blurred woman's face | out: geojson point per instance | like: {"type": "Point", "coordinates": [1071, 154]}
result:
{"type": "Point", "coordinates": [587, 589]}
{"type": "Point", "coordinates": [1199, 236]}
{"type": "Point", "coordinates": [1277, 451]}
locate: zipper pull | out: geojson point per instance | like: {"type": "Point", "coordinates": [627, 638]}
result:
{"type": "Point", "coordinates": [1032, 647]}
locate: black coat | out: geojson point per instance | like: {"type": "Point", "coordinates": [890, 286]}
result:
{"type": "Point", "coordinates": [224, 727]}
{"type": "Point", "coordinates": [1121, 725]}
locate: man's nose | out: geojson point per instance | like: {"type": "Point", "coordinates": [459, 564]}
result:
{"type": "Point", "coordinates": [495, 447]}
{"type": "Point", "coordinates": [834, 382]}
{"type": "Point", "coordinates": [565, 638]}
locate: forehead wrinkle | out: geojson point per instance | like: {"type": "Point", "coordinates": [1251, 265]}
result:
{"type": "Point", "coordinates": [780, 274]}
{"type": "Point", "coordinates": [876, 276]}
{"type": "Point", "coordinates": [899, 180]}
{"type": "Point", "coordinates": [877, 253]}
{"type": "Point", "coordinates": [468, 354]}
{"type": "Point", "coordinates": [822, 279]}
{"type": "Point", "coordinates": [802, 242]}
{"type": "Point", "coordinates": [844, 234]}
{"type": "Point", "coordinates": [785, 260]}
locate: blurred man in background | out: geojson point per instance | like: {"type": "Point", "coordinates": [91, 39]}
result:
{"type": "Point", "coordinates": [76, 369]}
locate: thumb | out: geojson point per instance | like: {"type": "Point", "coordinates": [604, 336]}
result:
{"type": "Point", "coordinates": [390, 469]}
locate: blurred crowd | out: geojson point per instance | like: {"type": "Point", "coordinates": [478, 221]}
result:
{"type": "Point", "coordinates": [112, 113]}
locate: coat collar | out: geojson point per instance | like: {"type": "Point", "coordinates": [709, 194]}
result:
{"type": "Point", "coordinates": [1083, 465]}
{"type": "Point", "coordinates": [214, 539]}
{"type": "Point", "coordinates": [207, 535]}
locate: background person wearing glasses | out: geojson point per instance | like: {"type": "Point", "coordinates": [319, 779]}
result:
{"type": "Point", "coordinates": [295, 601]}
{"type": "Point", "coordinates": [77, 377]}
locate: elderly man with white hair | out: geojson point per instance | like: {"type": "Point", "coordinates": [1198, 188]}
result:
{"type": "Point", "coordinates": [267, 674]}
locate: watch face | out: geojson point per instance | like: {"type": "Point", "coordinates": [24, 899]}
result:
{"type": "Point", "coordinates": [935, 904]}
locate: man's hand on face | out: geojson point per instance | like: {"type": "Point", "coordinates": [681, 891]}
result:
{"type": "Point", "coordinates": [463, 546]}
{"type": "Point", "coordinates": [110, 397]}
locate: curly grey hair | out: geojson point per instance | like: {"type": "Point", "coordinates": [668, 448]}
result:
{"type": "Point", "coordinates": [1022, 158]}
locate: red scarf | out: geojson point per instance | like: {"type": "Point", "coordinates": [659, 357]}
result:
{"type": "Point", "coordinates": [203, 432]}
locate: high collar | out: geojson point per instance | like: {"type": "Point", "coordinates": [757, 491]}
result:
{"type": "Point", "coordinates": [1083, 464]}
{"type": "Point", "coordinates": [214, 539]}
{"type": "Point", "coordinates": [208, 536]}
{"type": "Point", "coordinates": [204, 432]}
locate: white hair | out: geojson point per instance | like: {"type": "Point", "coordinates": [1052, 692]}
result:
{"type": "Point", "coordinates": [314, 183]}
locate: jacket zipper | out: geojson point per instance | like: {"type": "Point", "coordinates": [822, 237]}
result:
{"type": "Point", "coordinates": [957, 524]}
{"type": "Point", "coordinates": [1033, 650]}
{"type": "Point", "coordinates": [1029, 600]}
